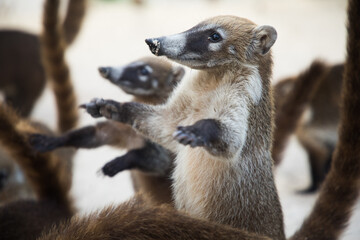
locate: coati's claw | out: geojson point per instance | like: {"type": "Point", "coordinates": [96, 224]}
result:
{"type": "Point", "coordinates": [186, 136]}
{"type": "Point", "coordinates": [93, 107]}
{"type": "Point", "coordinates": [99, 107]}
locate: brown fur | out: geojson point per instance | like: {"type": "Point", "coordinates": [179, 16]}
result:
{"type": "Point", "coordinates": [291, 104]}
{"type": "Point", "coordinates": [327, 220]}
{"type": "Point", "coordinates": [47, 174]}
{"type": "Point", "coordinates": [124, 221]}
{"type": "Point", "coordinates": [321, 97]}
{"type": "Point", "coordinates": [27, 79]}
{"type": "Point", "coordinates": [22, 72]}
{"type": "Point", "coordinates": [340, 189]}
{"type": "Point", "coordinates": [221, 182]}
{"type": "Point", "coordinates": [53, 49]}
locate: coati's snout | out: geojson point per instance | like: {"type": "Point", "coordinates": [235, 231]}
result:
{"type": "Point", "coordinates": [104, 71]}
{"type": "Point", "coordinates": [154, 45]}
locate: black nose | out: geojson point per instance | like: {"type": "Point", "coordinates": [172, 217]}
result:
{"type": "Point", "coordinates": [154, 45]}
{"type": "Point", "coordinates": [104, 71]}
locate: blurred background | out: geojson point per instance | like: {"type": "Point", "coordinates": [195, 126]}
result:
{"type": "Point", "coordinates": [113, 33]}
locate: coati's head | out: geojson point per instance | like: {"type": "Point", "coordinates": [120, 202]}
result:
{"type": "Point", "coordinates": [148, 76]}
{"type": "Point", "coordinates": [215, 42]}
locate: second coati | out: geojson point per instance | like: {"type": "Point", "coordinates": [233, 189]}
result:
{"type": "Point", "coordinates": [149, 80]}
{"type": "Point", "coordinates": [317, 132]}
{"type": "Point", "coordinates": [225, 116]}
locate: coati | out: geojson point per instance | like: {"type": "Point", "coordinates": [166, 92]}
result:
{"type": "Point", "coordinates": [23, 85]}
{"type": "Point", "coordinates": [225, 115]}
{"type": "Point", "coordinates": [49, 174]}
{"type": "Point", "coordinates": [149, 80]}
{"type": "Point", "coordinates": [317, 91]}
{"type": "Point", "coordinates": [327, 220]}
{"type": "Point", "coordinates": [22, 72]}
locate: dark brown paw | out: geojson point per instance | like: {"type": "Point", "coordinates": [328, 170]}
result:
{"type": "Point", "coordinates": [187, 136]}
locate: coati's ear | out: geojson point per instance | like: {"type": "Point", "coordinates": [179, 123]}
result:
{"type": "Point", "coordinates": [263, 39]}
{"type": "Point", "coordinates": [178, 73]}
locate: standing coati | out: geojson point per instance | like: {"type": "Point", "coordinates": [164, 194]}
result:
{"type": "Point", "coordinates": [22, 72]}
{"type": "Point", "coordinates": [150, 81]}
{"type": "Point", "coordinates": [24, 79]}
{"type": "Point", "coordinates": [318, 91]}
{"type": "Point", "coordinates": [225, 115]}
{"type": "Point", "coordinates": [50, 174]}
{"type": "Point", "coordinates": [338, 194]}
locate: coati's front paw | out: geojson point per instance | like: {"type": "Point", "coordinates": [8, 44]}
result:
{"type": "Point", "coordinates": [187, 136]}
{"type": "Point", "coordinates": [43, 143]}
{"type": "Point", "coordinates": [99, 107]}
{"type": "Point", "coordinates": [204, 133]}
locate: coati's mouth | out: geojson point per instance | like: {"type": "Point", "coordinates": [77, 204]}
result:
{"type": "Point", "coordinates": [154, 45]}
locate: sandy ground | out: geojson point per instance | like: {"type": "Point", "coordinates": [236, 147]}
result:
{"type": "Point", "coordinates": [113, 34]}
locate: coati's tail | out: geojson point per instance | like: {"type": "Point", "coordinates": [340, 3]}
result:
{"type": "Point", "coordinates": [137, 220]}
{"type": "Point", "coordinates": [292, 106]}
{"type": "Point", "coordinates": [74, 16]}
{"type": "Point", "coordinates": [53, 48]}
{"type": "Point", "coordinates": [43, 171]}
{"type": "Point", "coordinates": [340, 190]}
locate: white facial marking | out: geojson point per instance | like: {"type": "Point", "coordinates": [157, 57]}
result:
{"type": "Point", "coordinates": [155, 83]}
{"type": "Point", "coordinates": [254, 85]}
{"type": "Point", "coordinates": [150, 70]}
{"type": "Point", "coordinates": [174, 44]}
{"type": "Point", "coordinates": [215, 46]}
{"type": "Point", "coordinates": [143, 78]}
{"type": "Point", "coordinates": [116, 73]}
{"type": "Point", "coordinates": [135, 64]}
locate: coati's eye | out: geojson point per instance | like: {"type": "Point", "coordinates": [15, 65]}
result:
{"type": "Point", "coordinates": [144, 71]}
{"type": "Point", "coordinates": [215, 37]}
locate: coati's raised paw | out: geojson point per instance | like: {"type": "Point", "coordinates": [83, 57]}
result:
{"type": "Point", "coordinates": [186, 136]}
{"type": "Point", "coordinates": [99, 107]}
{"type": "Point", "coordinates": [204, 133]}
{"type": "Point", "coordinates": [43, 143]}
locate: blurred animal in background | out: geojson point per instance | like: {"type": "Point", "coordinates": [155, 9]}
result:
{"type": "Point", "coordinates": [149, 80]}
{"type": "Point", "coordinates": [22, 72]}
{"type": "Point", "coordinates": [49, 175]}
{"type": "Point", "coordinates": [23, 61]}
{"type": "Point", "coordinates": [309, 105]}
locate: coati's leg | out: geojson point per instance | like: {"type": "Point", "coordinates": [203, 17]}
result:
{"type": "Point", "coordinates": [318, 155]}
{"type": "Point", "coordinates": [103, 133]}
{"type": "Point", "coordinates": [152, 159]}
{"type": "Point", "coordinates": [149, 120]}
